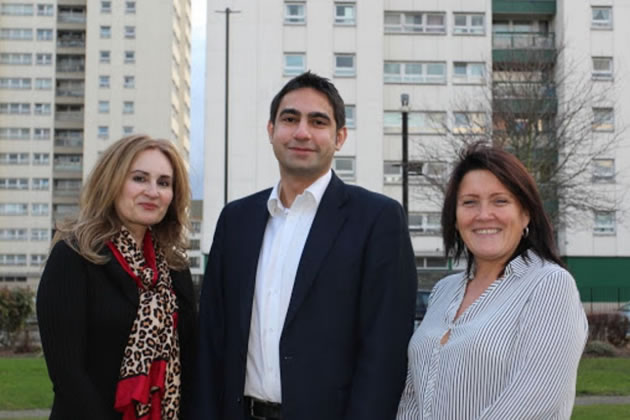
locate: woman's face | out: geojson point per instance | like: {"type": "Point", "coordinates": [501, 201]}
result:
{"type": "Point", "coordinates": [146, 193]}
{"type": "Point", "coordinates": [489, 219]}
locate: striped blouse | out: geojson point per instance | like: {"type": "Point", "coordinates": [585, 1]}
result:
{"type": "Point", "coordinates": [512, 354]}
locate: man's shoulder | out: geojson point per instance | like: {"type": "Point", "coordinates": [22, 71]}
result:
{"type": "Point", "coordinates": [249, 201]}
{"type": "Point", "coordinates": [362, 196]}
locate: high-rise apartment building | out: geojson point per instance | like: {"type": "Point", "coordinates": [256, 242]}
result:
{"type": "Point", "coordinates": [74, 77]}
{"type": "Point", "coordinates": [459, 63]}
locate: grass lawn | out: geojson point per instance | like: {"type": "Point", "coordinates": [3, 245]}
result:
{"type": "Point", "coordinates": [604, 376]}
{"type": "Point", "coordinates": [601, 412]}
{"type": "Point", "coordinates": [24, 383]}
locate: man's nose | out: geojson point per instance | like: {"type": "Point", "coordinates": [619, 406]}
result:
{"type": "Point", "coordinates": [302, 131]}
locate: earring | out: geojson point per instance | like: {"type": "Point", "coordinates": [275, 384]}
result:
{"type": "Point", "coordinates": [526, 232]}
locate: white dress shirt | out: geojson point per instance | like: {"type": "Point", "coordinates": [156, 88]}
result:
{"type": "Point", "coordinates": [512, 354]}
{"type": "Point", "coordinates": [283, 243]}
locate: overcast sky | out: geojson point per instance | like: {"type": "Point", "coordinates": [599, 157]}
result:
{"type": "Point", "coordinates": [198, 58]}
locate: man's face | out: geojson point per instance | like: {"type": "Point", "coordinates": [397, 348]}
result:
{"type": "Point", "coordinates": [304, 135]}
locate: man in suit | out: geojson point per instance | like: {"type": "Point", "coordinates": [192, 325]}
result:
{"type": "Point", "coordinates": [308, 298]}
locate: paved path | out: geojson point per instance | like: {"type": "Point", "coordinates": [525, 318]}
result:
{"type": "Point", "coordinates": [597, 400]}
{"type": "Point", "coordinates": [587, 400]}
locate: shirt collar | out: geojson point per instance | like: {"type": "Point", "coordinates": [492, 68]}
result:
{"type": "Point", "coordinates": [315, 190]}
{"type": "Point", "coordinates": [518, 266]}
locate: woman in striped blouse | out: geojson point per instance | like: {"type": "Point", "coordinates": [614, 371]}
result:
{"type": "Point", "coordinates": [503, 339]}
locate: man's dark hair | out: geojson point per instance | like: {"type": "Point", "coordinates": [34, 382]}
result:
{"type": "Point", "coordinates": [515, 177]}
{"type": "Point", "coordinates": [320, 84]}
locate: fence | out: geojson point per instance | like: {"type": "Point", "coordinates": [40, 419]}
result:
{"type": "Point", "coordinates": [604, 299]}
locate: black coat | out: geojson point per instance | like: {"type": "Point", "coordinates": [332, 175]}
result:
{"type": "Point", "coordinates": [85, 312]}
{"type": "Point", "coordinates": [343, 347]}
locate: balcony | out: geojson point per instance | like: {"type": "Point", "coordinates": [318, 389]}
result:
{"type": "Point", "coordinates": [523, 47]}
{"type": "Point", "coordinates": [71, 15]}
{"type": "Point", "coordinates": [69, 116]}
{"type": "Point", "coordinates": [68, 141]}
{"type": "Point", "coordinates": [532, 98]}
{"type": "Point", "coordinates": [529, 7]}
{"type": "Point", "coordinates": [70, 39]}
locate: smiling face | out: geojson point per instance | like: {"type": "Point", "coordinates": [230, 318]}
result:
{"type": "Point", "coordinates": [304, 135]}
{"type": "Point", "coordinates": [489, 219]}
{"type": "Point", "coordinates": [146, 193]}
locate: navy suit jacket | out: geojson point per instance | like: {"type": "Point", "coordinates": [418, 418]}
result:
{"type": "Point", "coordinates": [343, 349]}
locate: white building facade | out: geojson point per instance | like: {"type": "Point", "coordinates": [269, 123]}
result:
{"type": "Point", "coordinates": [442, 55]}
{"type": "Point", "coordinates": [74, 77]}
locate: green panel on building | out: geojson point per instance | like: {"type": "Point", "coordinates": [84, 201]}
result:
{"type": "Point", "coordinates": [601, 279]}
{"type": "Point", "coordinates": [523, 56]}
{"type": "Point", "coordinates": [544, 7]}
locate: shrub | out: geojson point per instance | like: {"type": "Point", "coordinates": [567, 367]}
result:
{"type": "Point", "coordinates": [609, 326]}
{"type": "Point", "coordinates": [15, 306]}
{"type": "Point", "coordinates": [600, 349]}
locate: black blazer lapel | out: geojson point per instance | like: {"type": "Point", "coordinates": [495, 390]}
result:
{"type": "Point", "coordinates": [328, 221]}
{"type": "Point", "coordinates": [118, 276]}
{"type": "Point", "coordinates": [252, 233]}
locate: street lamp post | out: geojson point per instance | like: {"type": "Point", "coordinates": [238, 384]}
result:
{"type": "Point", "coordinates": [404, 101]}
{"type": "Point", "coordinates": [227, 12]}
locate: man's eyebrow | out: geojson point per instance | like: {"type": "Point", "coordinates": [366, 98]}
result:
{"type": "Point", "coordinates": [291, 111]}
{"type": "Point", "coordinates": [318, 114]}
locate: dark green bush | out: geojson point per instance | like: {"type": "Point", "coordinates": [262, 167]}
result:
{"type": "Point", "coordinates": [600, 349]}
{"type": "Point", "coordinates": [611, 327]}
{"type": "Point", "coordinates": [16, 304]}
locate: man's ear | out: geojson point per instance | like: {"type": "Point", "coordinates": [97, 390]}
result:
{"type": "Point", "coordinates": [340, 139]}
{"type": "Point", "coordinates": [270, 130]}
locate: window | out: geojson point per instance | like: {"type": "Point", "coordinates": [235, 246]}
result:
{"type": "Point", "coordinates": [41, 184]}
{"type": "Point", "coordinates": [16, 278]}
{"type": "Point", "coordinates": [602, 68]}
{"type": "Point", "coordinates": [42, 109]}
{"type": "Point", "coordinates": [16, 34]}
{"type": "Point", "coordinates": [16, 9]}
{"type": "Point", "coordinates": [15, 83]}
{"type": "Point", "coordinates": [41, 158]}
{"type": "Point", "coordinates": [418, 72]}
{"type": "Point", "coordinates": [43, 59]}
{"type": "Point", "coordinates": [468, 72]}
{"type": "Point", "coordinates": [392, 172]}
{"type": "Point", "coordinates": [604, 222]}
{"type": "Point", "coordinates": [45, 10]}
{"type": "Point", "coordinates": [43, 83]}
{"type": "Point", "coordinates": [345, 14]}
{"type": "Point", "coordinates": [103, 81]}
{"type": "Point", "coordinates": [13, 209]}
{"type": "Point", "coordinates": [103, 132]}
{"type": "Point", "coordinates": [469, 122]}
{"type": "Point", "coordinates": [130, 32]}
{"type": "Point", "coordinates": [16, 58]}
{"type": "Point", "coordinates": [129, 82]}
{"type": "Point", "coordinates": [13, 259]}
{"type": "Point", "coordinates": [417, 122]}
{"type": "Point", "coordinates": [350, 116]}
{"type": "Point", "coordinates": [194, 244]}
{"type": "Point", "coordinates": [434, 23]}
{"type": "Point", "coordinates": [13, 183]}
{"type": "Point", "coordinates": [344, 167]}
{"type": "Point", "coordinates": [104, 56]}
{"type": "Point", "coordinates": [127, 130]}
{"type": "Point", "coordinates": [38, 209]}
{"type": "Point", "coordinates": [469, 24]}
{"type": "Point", "coordinates": [37, 259]}
{"type": "Point", "coordinates": [106, 31]}
{"type": "Point", "coordinates": [294, 64]}
{"type": "Point", "coordinates": [14, 159]}
{"type": "Point", "coordinates": [344, 65]}
{"type": "Point", "coordinates": [38, 234]}
{"type": "Point", "coordinates": [427, 223]}
{"type": "Point", "coordinates": [128, 107]}
{"type": "Point", "coordinates": [294, 13]}
{"type": "Point", "coordinates": [14, 133]}
{"type": "Point", "coordinates": [601, 17]}
{"type": "Point", "coordinates": [44, 34]}
{"type": "Point", "coordinates": [130, 57]}
{"type": "Point", "coordinates": [603, 119]}
{"type": "Point", "coordinates": [603, 170]}
{"type": "Point", "coordinates": [13, 234]}
{"type": "Point", "coordinates": [106, 6]}
{"type": "Point", "coordinates": [196, 227]}
{"type": "Point", "coordinates": [15, 108]}
{"type": "Point", "coordinates": [130, 7]}
{"type": "Point", "coordinates": [103, 107]}
{"type": "Point", "coordinates": [41, 133]}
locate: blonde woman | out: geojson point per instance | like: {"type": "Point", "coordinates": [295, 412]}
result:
{"type": "Point", "coordinates": [115, 303]}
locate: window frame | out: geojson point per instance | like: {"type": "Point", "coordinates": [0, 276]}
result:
{"type": "Point", "coordinates": [470, 127]}
{"type": "Point", "coordinates": [602, 227]}
{"type": "Point", "coordinates": [346, 175]}
{"type": "Point", "coordinates": [345, 71]}
{"type": "Point", "coordinates": [469, 78]}
{"type": "Point", "coordinates": [344, 20]}
{"type": "Point", "coordinates": [406, 77]}
{"type": "Point", "coordinates": [420, 29]}
{"type": "Point", "coordinates": [603, 75]}
{"type": "Point", "coordinates": [290, 19]}
{"type": "Point", "coordinates": [602, 24]}
{"type": "Point", "coordinates": [469, 28]}
{"type": "Point", "coordinates": [293, 70]}
{"type": "Point", "coordinates": [603, 173]}
{"type": "Point", "coordinates": [351, 115]}
{"type": "Point", "coordinates": [424, 227]}
{"type": "Point", "coordinates": [603, 124]}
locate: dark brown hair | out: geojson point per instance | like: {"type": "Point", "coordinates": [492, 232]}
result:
{"type": "Point", "coordinates": [515, 177]}
{"type": "Point", "coordinates": [320, 84]}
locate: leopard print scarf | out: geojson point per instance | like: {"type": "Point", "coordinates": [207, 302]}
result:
{"type": "Point", "coordinates": [149, 384]}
